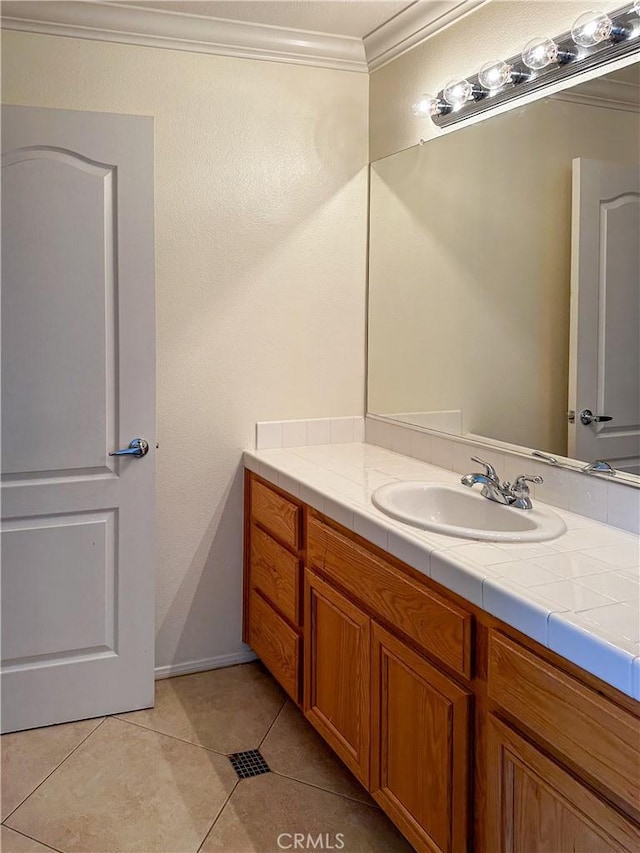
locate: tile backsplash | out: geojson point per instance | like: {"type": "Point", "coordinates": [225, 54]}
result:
{"type": "Point", "coordinates": [592, 496]}
{"type": "Point", "coordinates": [304, 433]}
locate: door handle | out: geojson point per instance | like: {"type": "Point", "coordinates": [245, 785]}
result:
{"type": "Point", "coordinates": [138, 447]}
{"type": "Point", "coordinates": [587, 417]}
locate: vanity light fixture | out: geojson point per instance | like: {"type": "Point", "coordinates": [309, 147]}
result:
{"type": "Point", "coordinates": [428, 105]}
{"type": "Point", "coordinates": [457, 92]}
{"type": "Point", "coordinates": [594, 27]}
{"type": "Point", "coordinates": [595, 39]}
{"type": "Point", "coordinates": [541, 52]}
{"type": "Point", "coordinates": [496, 74]}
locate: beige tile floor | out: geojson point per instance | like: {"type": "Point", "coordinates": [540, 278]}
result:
{"type": "Point", "coordinates": [159, 781]}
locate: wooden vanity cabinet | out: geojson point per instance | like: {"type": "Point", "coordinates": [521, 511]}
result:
{"type": "Point", "coordinates": [272, 605]}
{"type": "Point", "coordinates": [594, 735]}
{"type": "Point", "coordinates": [338, 673]}
{"type": "Point", "coordinates": [420, 756]}
{"type": "Point", "coordinates": [408, 720]}
{"type": "Point", "coordinates": [395, 598]}
{"type": "Point", "coordinates": [470, 736]}
{"type": "Point", "coordinates": [536, 806]}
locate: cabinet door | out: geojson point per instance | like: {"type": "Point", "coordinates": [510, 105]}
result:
{"type": "Point", "coordinates": [337, 673]}
{"type": "Point", "coordinates": [535, 806]}
{"type": "Point", "coordinates": [420, 766]}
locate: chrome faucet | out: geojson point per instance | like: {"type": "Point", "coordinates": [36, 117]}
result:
{"type": "Point", "coordinates": [516, 495]}
{"type": "Point", "coordinates": [489, 480]}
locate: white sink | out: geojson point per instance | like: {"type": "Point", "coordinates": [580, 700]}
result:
{"type": "Point", "coordinates": [458, 511]}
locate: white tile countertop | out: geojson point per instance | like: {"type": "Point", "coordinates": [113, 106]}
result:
{"type": "Point", "coordinates": [579, 594]}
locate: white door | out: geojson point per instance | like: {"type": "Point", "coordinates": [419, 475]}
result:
{"type": "Point", "coordinates": [604, 367]}
{"type": "Point", "coordinates": [78, 381]}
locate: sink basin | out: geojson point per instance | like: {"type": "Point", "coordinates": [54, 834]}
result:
{"type": "Point", "coordinates": [458, 511]}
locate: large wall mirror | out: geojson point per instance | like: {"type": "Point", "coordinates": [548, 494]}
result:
{"type": "Point", "coordinates": [504, 278]}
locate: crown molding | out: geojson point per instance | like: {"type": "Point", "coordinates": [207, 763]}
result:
{"type": "Point", "coordinates": [412, 26]}
{"type": "Point", "coordinates": [604, 92]}
{"type": "Point", "coordinates": [129, 24]}
{"type": "Point", "coordinates": [112, 22]}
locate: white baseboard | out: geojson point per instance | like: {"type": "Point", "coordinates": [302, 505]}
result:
{"type": "Point", "coordinates": [244, 656]}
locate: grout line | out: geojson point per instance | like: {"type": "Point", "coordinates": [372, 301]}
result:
{"type": "Point", "coordinates": [31, 838]}
{"type": "Point", "coordinates": [215, 820]}
{"type": "Point", "coordinates": [13, 811]}
{"type": "Point", "coordinates": [272, 724]}
{"type": "Point", "coordinates": [372, 805]}
{"type": "Point", "coordinates": [173, 737]}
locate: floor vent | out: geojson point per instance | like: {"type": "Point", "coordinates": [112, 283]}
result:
{"type": "Point", "coordinates": [249, 763]}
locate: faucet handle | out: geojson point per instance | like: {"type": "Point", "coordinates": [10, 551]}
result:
{"type": "Point", "coordinates": [599, 467]}
{"type": "Point", "coordinates": [520, 483]}
{"type": "Point", "coordinates": [489, 469]}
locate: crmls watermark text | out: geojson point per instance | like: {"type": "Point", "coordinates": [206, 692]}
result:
{"type": "Point", "coordinates": [307, 841]}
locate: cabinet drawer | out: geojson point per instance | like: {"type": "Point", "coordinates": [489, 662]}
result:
{"type": "Point", "coordinates": [276, 644]}
{"type": "Point", "coordinates": [276, 573]}
{"type": "Point", "coordinates": [599, 737]}
{"type": "Point", "coordinates": [276, 514]}
{"type": "Point", "coordinates": [441, 628]}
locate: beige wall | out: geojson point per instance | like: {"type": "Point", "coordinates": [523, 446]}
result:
{"type": "Point", "coordinates": [497, 30]}
{"type": "Point", "coordinates": [260, 200]}
{"type": "Point", "coordinates": [469, 274]}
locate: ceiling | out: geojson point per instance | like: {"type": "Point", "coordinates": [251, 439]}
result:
{"type": "Point", "coordinates": [356, 18]}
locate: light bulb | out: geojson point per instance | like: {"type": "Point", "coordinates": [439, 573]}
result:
{"type": "Point", "coordinates": [457, 92]}
{"type": "Point", "coordinates": [426, 105]}
{"type": "Point", "coordinates": [496, 74]}
{"type": "Point", "coordinates": [591, 28]}
{"type": "Point", "coordinates": [539, 53]}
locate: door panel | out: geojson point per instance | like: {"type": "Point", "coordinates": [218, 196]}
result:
{"type": "Point", "coordinates": [59, 587]}
{"type": "Point", "coordinates": [604, 369]}
{"type": "Point", "coordinates": [420, 755]}
{"type": "Point", "coordinates": [337, 672]}
{"type": "Point", "coordinates": [78, 381]}
{"type": "Point", "coordinates": [618, 386]}
{"type": "Point", "coordinates": [535, 806]}
{"type": "Point", "coordinates": [64, 308]}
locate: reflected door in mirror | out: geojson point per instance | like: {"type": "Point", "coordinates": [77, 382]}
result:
{"type": "Point", "coordinates": [604, 373]}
